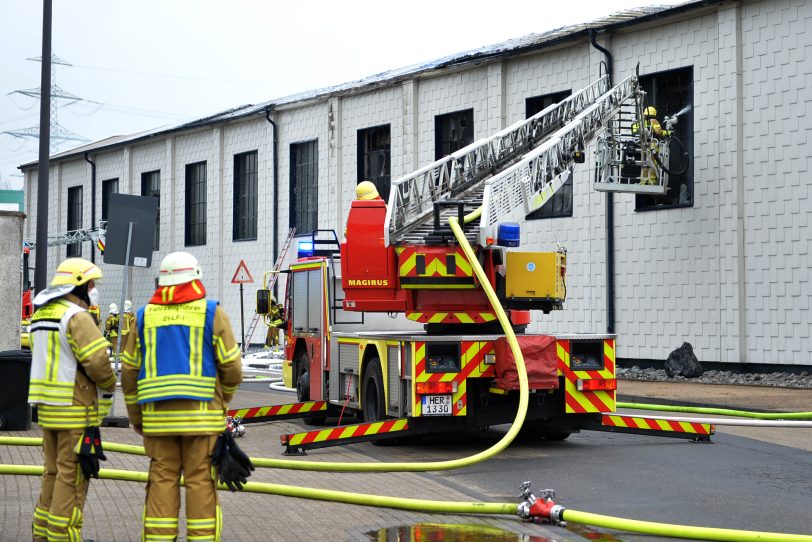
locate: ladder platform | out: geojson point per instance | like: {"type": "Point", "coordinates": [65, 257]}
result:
{"type": "Point", "coordinates": [280, 412]}
{"type": "Point", "coordinates": [631, 188]}
{"type": "Point", "coordinates": [297, 443]}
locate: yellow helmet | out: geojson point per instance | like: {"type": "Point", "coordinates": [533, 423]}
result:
{"type": "Point", "coordinates": [649, 112]}
{"type": "Point", "coordinates": [366, 191]}
{"type": "Point", "coordinates": [75, 272]}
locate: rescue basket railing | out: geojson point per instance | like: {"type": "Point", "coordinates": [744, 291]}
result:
{"type": "Point", "coordinates": [526, 185]}
{"type": "Point", "coordinates": [412, 198]}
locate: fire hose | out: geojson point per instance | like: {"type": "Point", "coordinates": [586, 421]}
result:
{"type": "Point", "coordinates": [540, 510]}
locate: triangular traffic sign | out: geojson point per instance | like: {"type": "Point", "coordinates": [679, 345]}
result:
{"type": "Point", "coordinates": [242, 275]}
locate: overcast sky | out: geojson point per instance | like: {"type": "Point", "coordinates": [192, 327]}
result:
{"type": "Point", "coordinates": [149, 63]}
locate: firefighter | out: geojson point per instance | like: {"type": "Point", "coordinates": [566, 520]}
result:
{"type": "Point", "coordinates": [366, 190]}
{"type": "Point", "coordinates": [69, 364]}
{"type": "Point", "coordinates": [647, 174]}
{"type": "Point", "coordinates": [276, 321]}
{"type": "Point", "coordinates": [111, 327]}
{"type": "Point", "coordinates": [127, 324]}
{"type": "Point", "coordinates": [181, 366]}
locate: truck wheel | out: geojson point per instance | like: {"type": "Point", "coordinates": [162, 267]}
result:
{"type": "Point", "coordinates": [372, 401]}
{"type": "Point", "coordinates": [303, 387]}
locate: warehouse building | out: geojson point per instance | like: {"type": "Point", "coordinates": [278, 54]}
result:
{"type": "Point", "coordinates": [721, 261]}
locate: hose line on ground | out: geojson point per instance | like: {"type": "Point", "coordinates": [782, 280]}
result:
{"type": "Point", "coordinates": [448, 507]}
{"type": "Point", "coordinates": [719, 411]}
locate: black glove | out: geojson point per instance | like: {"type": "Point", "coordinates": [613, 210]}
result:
{"type": "Point", "coordinates": [89, 452]}
{"type": "Point", "coordinates": [234, 466]}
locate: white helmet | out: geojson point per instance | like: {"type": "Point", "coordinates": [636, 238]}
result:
{"type": "Point", "coordinates": [113, 308]}
{"type": "Point", "coordinates": [128, 306]}
{"type": "Point", "coordinates": [179, 268]}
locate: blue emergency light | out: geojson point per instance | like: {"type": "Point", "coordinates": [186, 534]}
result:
{"type": "Point", "coordinates": [305, 248]}
{"type": "Point", "coordinates": [509, 234]}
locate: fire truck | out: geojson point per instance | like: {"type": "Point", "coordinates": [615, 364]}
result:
{"type": "Point", "coordinates": [390, 324]}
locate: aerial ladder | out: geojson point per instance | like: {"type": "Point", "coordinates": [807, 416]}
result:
{"type": "Point", "coordinates": [97, 235]}
{"type": "Point", "coordinates": [516, 171]}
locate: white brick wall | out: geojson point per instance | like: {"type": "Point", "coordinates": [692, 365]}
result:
{"type": "Point", "coordinates": [730, 274]}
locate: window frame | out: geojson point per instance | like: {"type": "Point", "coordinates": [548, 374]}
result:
{"type": "Point", "coordinates": [561, 205]}
{"type": "Point", "coordinates": [75, 218]}
{"type": "Point", "coordinates": [153, 190]}
{"type": "Point", "coordinates": [685, 130]}
{"type": "Point", "coordinates": [106, 193]}
{"type": "Point", "coordinates": [443, 147]}
{"type": "Point", "coordinates": [307, 193]}
{"type": "Point", "coordinates": [195, 203]}
{"type": "Point", "coordinates": [246, 201]}
{"type": "Point", "coordinates": [382, 181]}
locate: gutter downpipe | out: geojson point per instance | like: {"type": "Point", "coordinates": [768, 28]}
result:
{"type": "Point", "coordinates": [275, 193]}
{"type": "Point", "coordinates": [92, 202]}
{"type": "Point", "coordinates": [610, 213]}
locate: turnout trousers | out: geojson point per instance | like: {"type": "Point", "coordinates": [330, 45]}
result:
{"type": "Point", "coordinates": [58, 515]}
{"type": "Point", "coordinates": [171, 456]}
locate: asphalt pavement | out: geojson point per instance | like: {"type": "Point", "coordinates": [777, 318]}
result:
{"type": "Point", "coordinates": [113, 510]}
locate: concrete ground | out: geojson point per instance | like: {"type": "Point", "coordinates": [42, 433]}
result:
{"type": "Point", "coordinates": [113, 511]}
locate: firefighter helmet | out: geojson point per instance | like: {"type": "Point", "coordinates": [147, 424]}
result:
{"type": "Point", "coordinates": [366, 191]}
{"type": "Point", "coordinates": [179, 268]}
{"type": "Point", "coordinates": [75, 272]}
{"type": "Point", "coordinates": [128, 306]}
{"type": "Point", "coordinates": [649, 112]}
{"type": "Point", "coordinates": [113, 309]}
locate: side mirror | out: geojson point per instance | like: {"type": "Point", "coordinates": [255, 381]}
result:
{"type": "Point", "coordinates": [263, 301]}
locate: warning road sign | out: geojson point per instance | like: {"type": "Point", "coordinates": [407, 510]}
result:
{"type": "Point", "coordinates": [242, 275]}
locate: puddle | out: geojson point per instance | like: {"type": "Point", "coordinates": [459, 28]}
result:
{"type": "Point", "coordinates": [440, 532]}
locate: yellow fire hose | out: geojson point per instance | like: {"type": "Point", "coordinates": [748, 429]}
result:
{"type": "Point", "coordinates": [448, 507]}
{"type": "Point", "coordinates": [676, 531]}
{"type": "Point", "coordinates": [720, 411]}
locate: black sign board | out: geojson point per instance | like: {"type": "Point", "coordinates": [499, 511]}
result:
{"type": "Point", "coordinates": [141, 212]}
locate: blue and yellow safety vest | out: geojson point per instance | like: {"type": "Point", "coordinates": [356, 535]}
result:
{"type": "Point", "coordinates": [177, 351]}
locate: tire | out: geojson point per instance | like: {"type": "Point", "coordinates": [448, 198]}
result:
{"type": "Point", "coordinates": [372, 399]}
{"type": "Point", "coordinates": [300, 365]}
{"type": "Point", "coordinates": [301, 377]}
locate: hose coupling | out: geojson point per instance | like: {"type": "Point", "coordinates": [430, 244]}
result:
{"type": "Point", "coordinates": [541, 509]}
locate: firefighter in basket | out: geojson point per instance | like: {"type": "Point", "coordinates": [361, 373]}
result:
{"type": "Point", "coordinates": [181, 366]}
{"type": "Point", "coordinates": [656, 133]}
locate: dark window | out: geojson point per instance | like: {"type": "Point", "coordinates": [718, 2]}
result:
{"type": "Point", "coordinates": [560, 204]}
{"type": "Point", "coordinates": [452, 132]}
{"type": "Point", "coordinates": [304, 186]}
{"type": "Point", "coordinates": [672, 93]}
{"type": "Point", "coordinates": [245, 196]}
{"type": "Point", "coordinates": [151, 187]}
{"type": "Point", "coordinates": [537, 103]}
{"type": "Point", "coordinates": [75, 196]}
{"type": "Point", "coordinates": [374, 152]}
{"type": "Point", "coordinates": [110, 186]}
{"type": "Point", "coordinates": [196, 204]}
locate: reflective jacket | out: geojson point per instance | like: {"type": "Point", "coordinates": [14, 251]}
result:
{"type": "Point", "coordinates": [180, 368]}
{"type": "Point", "coordinates": [178, 351]}
{"type": "Point", "coordinates": [69, 360]}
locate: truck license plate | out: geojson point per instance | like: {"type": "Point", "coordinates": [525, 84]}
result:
{"type": "Point", "coordinates": [437, 405]}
